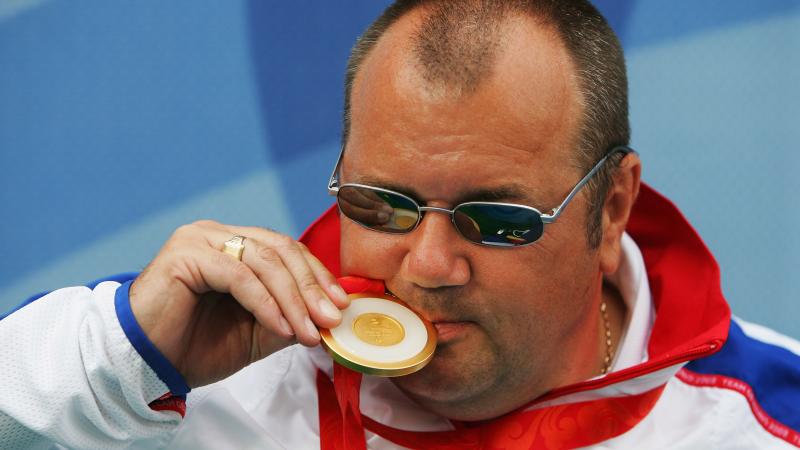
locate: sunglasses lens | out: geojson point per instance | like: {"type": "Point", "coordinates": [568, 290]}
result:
{"type": "Point", "coordinates": [378, 210]}
{"type": "Point", "coordinates": [498, 225]}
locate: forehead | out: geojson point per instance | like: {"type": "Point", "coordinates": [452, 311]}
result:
{"type": "Point", "coordinates": [517, 126]}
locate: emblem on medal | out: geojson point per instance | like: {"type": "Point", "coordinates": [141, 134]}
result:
{"type": "Point", "coordinates": [380, 335]}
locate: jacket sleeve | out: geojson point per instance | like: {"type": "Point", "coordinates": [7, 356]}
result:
{"type": "Point", "coordinates": [71, 376]}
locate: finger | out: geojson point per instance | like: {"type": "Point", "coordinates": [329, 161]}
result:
{"type": "Point", "coordinates": [300, 303]}
{"type": "Point", "coordinates": [222, 273]}
{"type": "Point", "coordinates": [303, 294]}
{"type": "Point", "coordinates": [323, 310]}
{"type": "Point", "coordinates": [295, 290]}
{"type": "Point", "coordinates": [325, 279]}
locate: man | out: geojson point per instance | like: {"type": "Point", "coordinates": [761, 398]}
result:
{"type": "Point", "coordinates": [492, 117]}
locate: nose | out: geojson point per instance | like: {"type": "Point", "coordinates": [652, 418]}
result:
{"type": "Point", "coordinates": [435, 256]}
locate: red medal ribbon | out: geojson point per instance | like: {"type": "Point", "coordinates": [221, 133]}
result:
{"type": "Point", "coordinates": [557, 427]}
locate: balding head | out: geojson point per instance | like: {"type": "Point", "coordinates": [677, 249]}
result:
{"type": "Point", "coordinates": [456, 44]}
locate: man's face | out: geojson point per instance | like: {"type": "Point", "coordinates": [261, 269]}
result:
{"type": "Point", "coordinates": [512, 323]}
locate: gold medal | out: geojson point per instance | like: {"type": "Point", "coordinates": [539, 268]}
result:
{"type": "Point", "coordinates": [380, 335]}
{"type": "Point", "coordinates": [378, 329]}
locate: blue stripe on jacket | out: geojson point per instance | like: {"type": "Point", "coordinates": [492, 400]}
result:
{"type": "Point", "coordinates": [138, 339]}
{"type": "Point", "coordinates": [773, 373]}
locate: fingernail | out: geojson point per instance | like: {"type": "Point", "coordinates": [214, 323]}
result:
{"type": "Point", "coordinates": [383, 217]}
{"type": "Point", "coordinates": [338, 292]}
{"type": "Point", "coordinates": [285, 326]}
{"type": "Point", "coordinates": [312, 329]}
{"type": "Point", "coordinates": [329, 310]}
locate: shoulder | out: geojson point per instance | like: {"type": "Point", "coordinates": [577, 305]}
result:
{"type": "Point", "coordinates": [756, 374]}
{"type": "Point", "coordinates": [747, 395]}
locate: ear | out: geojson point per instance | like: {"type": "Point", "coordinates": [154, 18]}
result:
{"type": "Point", "coordinates": [617, 208]}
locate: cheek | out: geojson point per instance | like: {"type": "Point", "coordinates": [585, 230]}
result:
{"type": "Point", "coordinates": [537, 294]}
{"type": "Point", "coordinates": [368, 253]}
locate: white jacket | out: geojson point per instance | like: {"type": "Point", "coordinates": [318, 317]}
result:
{"type": "Point", "coordinates": [75, 374]}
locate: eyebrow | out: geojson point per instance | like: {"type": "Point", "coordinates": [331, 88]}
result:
{"type": "Point", "coordinates": [512, 193]}
{"type": "Point", "coordinates": [505, 193]}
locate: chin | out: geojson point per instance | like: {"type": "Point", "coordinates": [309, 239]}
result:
{"type": "Point", "coordinates": [449, 381]}
{"type": "Point", "coordinates": [452, 401]}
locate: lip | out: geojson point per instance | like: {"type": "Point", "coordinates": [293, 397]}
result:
{"type": "Point", "coordinates": [449, 331]}
{"type": "Point", "coordinates": [446, 330]}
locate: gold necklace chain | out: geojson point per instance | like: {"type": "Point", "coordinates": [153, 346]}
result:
{"type": "Point", "coordinates": [609, 349]}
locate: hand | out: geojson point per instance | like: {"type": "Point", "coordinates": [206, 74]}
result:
{"type": "Point", "coordinates": [211, 315]}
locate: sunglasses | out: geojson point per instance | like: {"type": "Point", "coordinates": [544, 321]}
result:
{"type": "Point", "coordinates": [485, 223]}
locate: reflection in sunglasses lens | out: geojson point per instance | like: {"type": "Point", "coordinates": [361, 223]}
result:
{"type": "Point", "coordinates": [378, 210]}
{"type": "Point", "coordinates": [500, 225]}
{"type": "Point", "coordinates": [482, 223]}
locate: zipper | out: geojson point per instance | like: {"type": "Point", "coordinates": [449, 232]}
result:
{"type": "Point", "coordinates": [634, 372]}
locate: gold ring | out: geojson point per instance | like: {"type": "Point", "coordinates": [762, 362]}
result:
{"type": "Point", "coordinates": [234, 247]}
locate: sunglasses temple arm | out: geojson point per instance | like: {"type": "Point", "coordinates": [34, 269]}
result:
{"type": "Point", "coordinates": [333, 182]}
{"type": "Point", "coordinates": [549, 218]}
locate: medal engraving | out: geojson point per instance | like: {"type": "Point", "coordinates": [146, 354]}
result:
{"type": "Point", "coordinates": [378, 329]}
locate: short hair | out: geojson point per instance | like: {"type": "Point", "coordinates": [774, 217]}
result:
{"type": "Point", "coordinates": [456, 45]}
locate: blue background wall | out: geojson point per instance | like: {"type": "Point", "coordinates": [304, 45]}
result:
{"type": "Point", "coordinates": [119, 121]}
